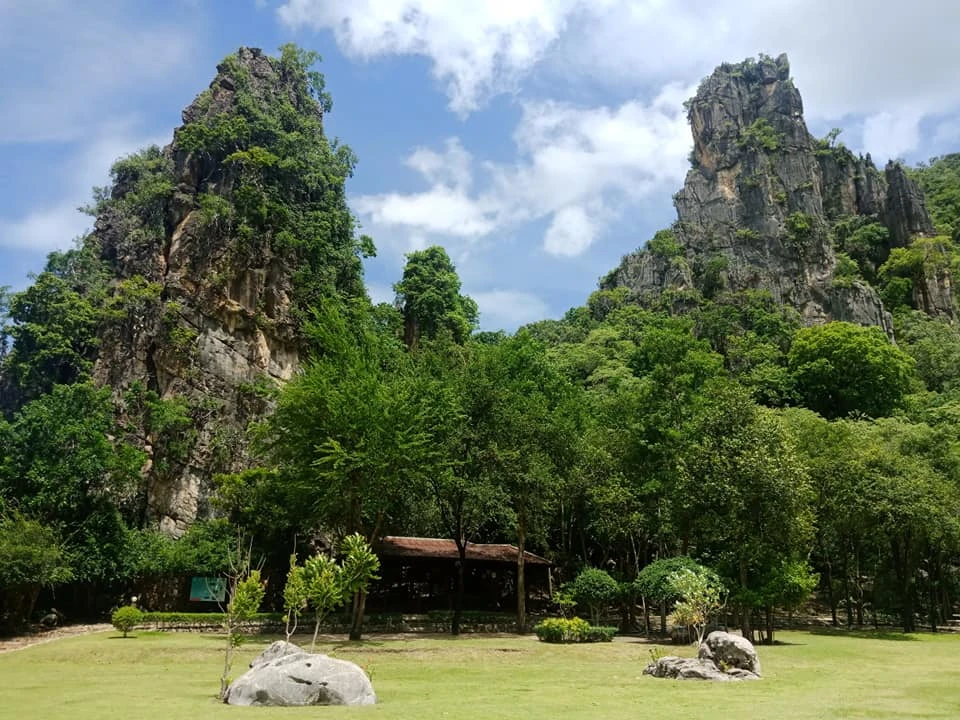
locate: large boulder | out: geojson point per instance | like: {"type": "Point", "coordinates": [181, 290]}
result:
{"type": "Point", "coordinates": [730, 651]}
{"type": "Point", "coordinates": [285, 675]}
{"type": "Point", "coordinates": [722, 657]}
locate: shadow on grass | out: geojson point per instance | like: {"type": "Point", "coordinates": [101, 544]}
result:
{"type": "Point", "coordinates": [866, 634]}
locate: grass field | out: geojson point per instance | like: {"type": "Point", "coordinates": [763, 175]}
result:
{"type": "Point", "coordinates": [157, 676]}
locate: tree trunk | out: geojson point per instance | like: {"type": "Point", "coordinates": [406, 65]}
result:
{"type": "Point", "coordinates": [458, 600]}
{"type": "Point", "coordinates": [663, 617]}
{"type": "Point", "coordinates": [521, 582]}
{"type": "Point", "coordinates": [359, 604]}
{"type": "Point", "coordinates": [745, 627]}
{"type": "Point", "coordinates": [769, 639]}
{"type": "Point", "coordinates": [831, 595]}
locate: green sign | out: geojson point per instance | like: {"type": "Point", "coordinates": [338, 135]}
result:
{"type": "Point", "coordinates": [208, 589]}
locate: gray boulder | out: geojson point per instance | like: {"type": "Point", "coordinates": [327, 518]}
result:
{"type": "Point", "coordinates": [722, 657]}
{"type": "Point", "coordinates": [285, 675]}
{"type": "Point", "coordinates": [686, 669]}
{"type": "Point", "coordinates": [730, 651]}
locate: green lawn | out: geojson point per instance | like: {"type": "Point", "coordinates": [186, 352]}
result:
{"type": "Point", "coordinates": [175, 676]}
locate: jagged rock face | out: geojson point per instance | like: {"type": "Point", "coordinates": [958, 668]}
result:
{"type": "Point", "coordinates": [223, 324]}
{"type": "Point", "coordinates": [905, 213]}
{"type": "Point", "coordinates": [755, 209]}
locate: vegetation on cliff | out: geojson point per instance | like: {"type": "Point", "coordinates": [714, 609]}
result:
{"type": "Point", "coordinates": [698, 406]}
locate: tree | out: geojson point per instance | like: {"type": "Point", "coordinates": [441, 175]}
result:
{"type": "Point", "coordinates": [295, 596]}
{"type": "Point", "coordinates": [53, 331]}
{"type": "Point", "coordinates": [839, 368]}
{"type": "Point", "coordinates": [359, 569]}
{"type": "Point", "coordinates": [347, 436]}
{"type": "Point", "coordinates": [246, 591]}
{"type": "Point", "coordinates": [31, 557]}
{"type": "Point", "coordinates": [65, 465]}
{"type": "Point", "coordinates": [532, 421]}
{"type": "Point", "coordinates": [743, 496]}
{"type": "Point", "coordinates": [466, 496]}
{"type": "Point", "coordinates": [594, 590]}
{"type": "Point", "coordinates": [323, 588]}
{"type": "Point", "coordinates": [429, 297]}
{"type": "Point", "coordinates": [654, 582]}
{"type": "Point", "coordinates": [700, 599]}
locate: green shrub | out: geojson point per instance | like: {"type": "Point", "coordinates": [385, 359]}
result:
{"type": "Point", "coordinates": [760, 135]}
{"type": "Point", "coordinates": [603, 633]}
{"type": "Point", "coordinates": [562, 630]}
{"type": "Point", "coordinates": [126, 618]}
{"type": "Point", "coordinates": [594, 589]}
{"type": "Point", "coordinates": [572, 630]}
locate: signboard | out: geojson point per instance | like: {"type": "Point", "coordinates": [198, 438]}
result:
{"type": "Point", "coordinates": [208, 589]}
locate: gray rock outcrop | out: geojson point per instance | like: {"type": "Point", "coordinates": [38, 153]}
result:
{"type": "Point", "coordinates": [208, 313]}
{"type": "Point", "coordinates": [757, 205]}
{"type": "Point", "coordinates": [286, 675]}
{"type": "Point", "coordinates": [730, 651]}
{"type": "Point", "coordinates": [722, 657]}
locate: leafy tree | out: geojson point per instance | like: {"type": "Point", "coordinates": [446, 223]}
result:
{"type": "Point", "coordinates": [54, 336]}
{"type": "Point", "coordinates": [429, 297]}
{"type": "Point", "coordinates": [65, 466]}
{"type": "Point", "coordinates": [246, 591]}
{"type": "Point", "coordinates": [295, 596]}
{"type": "Point", "coordinates": [934, 346]}
{"type": "Point", "coordinates": [743, 496]}
{"type": "Point", "coordinates": [324, 588]}
{"type": "Point", "coordinates": [594, 590]}
{"type": "Point", "coordinates": [840, 368]}
{"type": "Point", "coordinates": [654, 582]}
{"type": "Point", "coordinates": [31, 557]}
{"type": "Point", "coordinates": [347, 434]}
{"type": "Point", "coordinates": [700, 598]}
{"type": "Point", "coordinates": [358, 570]}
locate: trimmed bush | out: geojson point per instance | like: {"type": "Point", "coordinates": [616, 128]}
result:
{"type": "Point", "coordinates": [572, 630]}
{"type": "Point", "coordinates": [126, 618]}
{"type": "Point", "coordinates": [594, 589]}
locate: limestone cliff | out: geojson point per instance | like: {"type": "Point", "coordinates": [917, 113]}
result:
{"type": "Point", "coordinates": [207, 291]}
{"type": "Point", "coordinates": [759, 201]}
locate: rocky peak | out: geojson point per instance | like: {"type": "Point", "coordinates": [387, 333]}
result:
{"type": "Point", "coordinates": [207, 278]}
{"type": "Point", "coordinates": [757, 206]}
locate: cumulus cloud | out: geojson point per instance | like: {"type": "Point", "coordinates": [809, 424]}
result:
{"type": "Point", "coordinates": [576, 166]}
{"type": "Point", "coordinates": [858, 57]}
{"type": "Point", "coordinates": [852, 56]}
{"type": "Point", "coordinates": [477, 48]}
{"type": "Point", "coordinates": [892, 134]}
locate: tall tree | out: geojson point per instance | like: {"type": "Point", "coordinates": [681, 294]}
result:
{"type": "Point", "coordinates": [429, 297]}
{"type": "Point", "coordinates": [840, 368]}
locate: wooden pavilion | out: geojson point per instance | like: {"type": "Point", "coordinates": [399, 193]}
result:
{"type": "Point", "coordinates": [420, 574]}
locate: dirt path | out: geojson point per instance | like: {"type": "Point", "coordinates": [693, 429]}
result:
{"type": "Point", "coordinates": [24, 641]}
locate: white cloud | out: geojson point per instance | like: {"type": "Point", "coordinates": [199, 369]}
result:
{"type": "Point", "coordinates": [571, 232]}
{"type": "Point", "coordinates": [892, 134]}
{"type": "Point", "coordinates": [857, 57]}
{"type": "Point", "coordinates": [478, 48]}
{"type": "Point", "coordinates": [508, 308]}
{"type": "Point", "coordinates": [575, 168]}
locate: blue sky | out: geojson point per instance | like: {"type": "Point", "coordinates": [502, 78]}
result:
{"type": "Point", "coordinates": [537, 140]}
